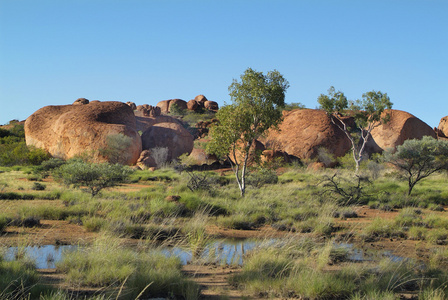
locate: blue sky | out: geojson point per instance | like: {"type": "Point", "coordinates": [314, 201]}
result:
{"type": "Point", "coordinates": [53, 52]}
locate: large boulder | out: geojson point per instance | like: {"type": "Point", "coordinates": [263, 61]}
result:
{"type": "Point", "coordinates": [98, 129]}
{"type": "Point", "coordinates": [193, 105]}
{"type": "Point", "coordinates": [402, 126]}
{"type": "Point", "coordinates": [144, 122]}
{"type": "Point", "coordinates": [211, 105]}
{"type": "Point", "coordinates": [303, 131]}
{"type": "Point", "coordinates": [166, 105]}
{"type": "Point", "coordinates": [169, 135]}
{"type": "Point", "coordinates": [148, 110]}
{"type": "Point", "coordinates": [443, 127]}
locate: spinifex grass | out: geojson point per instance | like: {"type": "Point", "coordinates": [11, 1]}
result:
{"type": "Point", "coordinates": [107, 264]}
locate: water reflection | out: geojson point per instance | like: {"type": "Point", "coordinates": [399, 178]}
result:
{"type": "Point", "coordinates": [228, 251]}
{"type": "Point", "coordinates": [45, 257]}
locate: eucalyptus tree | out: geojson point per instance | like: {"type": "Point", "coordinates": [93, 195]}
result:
{"type": "Point", "coordinates": [257, 100]}
{"type": "Point", "coordinates": [367, 113]}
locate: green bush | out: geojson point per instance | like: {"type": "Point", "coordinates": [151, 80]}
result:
{"type": "Point", "coordinates": [93, 176]}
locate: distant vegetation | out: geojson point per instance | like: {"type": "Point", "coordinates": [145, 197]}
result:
{"type": "Point", "coordinates": [13, 149]}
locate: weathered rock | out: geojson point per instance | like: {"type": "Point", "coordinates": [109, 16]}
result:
{"type": "Point", "coordinates": [144, 122]}
{"type": "Point", "coordinates": [168, 135]}
{"type": "Point", "coordinates": [166, 105]}
{"type": "Point", "coordinates": [181, 104]}
{"type": "Point", "coordinates": [270, 156]}
{"type": "Point", "coordinates": [304, 131]}
{"type": "Point", "coordinates": [66, 131]}
{"type": "Point", "coordinates": [255, 150]}
{"type": "Point", "coordinates": [81, 101]}
{"type": "Point", "coordinates": [132, 105]}
{"type": "Point", "coordinates": [442, 129]}
{"type": "Point", "coordinates": [192, 105]}
{"type": "Point", "coordinates": [200, 98]}
{"type": "Point", "coordinates": [401, 127]}
{"type": "Point", "coordinates": [211, 105]}
{"type": "Point", "coordinates": [200, 157]}
{"type": "Point", "coordinates": [148, 110]}
{"type": "Point", "coordinates": [146, 161]}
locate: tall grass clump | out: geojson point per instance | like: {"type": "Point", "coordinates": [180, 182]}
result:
{"type": "Point", "coordinates": [18, 279]}
{"type": "Point", "coordinates": [107, 264]}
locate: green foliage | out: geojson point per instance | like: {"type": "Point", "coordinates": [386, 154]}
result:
{"type": "Point", "coordinates": [93, 176]}
{"type": "Point", "coordinates": [17, 279]}
{"type": "Point", "coordinates": [418, 159]}
{"type": "Point", "coordinates": [293, 105]}
{"type": "Point", "coordinates": [367, 114]}
{"type": "Point", "coordinates": [256, 107]}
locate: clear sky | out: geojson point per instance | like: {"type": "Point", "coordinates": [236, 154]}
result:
{"type": "Point", "coordinates": [145, 51]}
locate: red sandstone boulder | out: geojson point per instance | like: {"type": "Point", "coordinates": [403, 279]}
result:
{"type": "Point", "coordinates": [192, 105]}
{"type": "Point", "coordinates": [168, 135]}
{"type": "Point", "coordinates": [166, 105]}
{"type": "Point", "coordinates": [401, 127]}
{"type": "Point", "coordinates": [303, 131]}
{"type": "Point", "coordinates": [66, 131]}
{"type": "Point", "coordinates": [211, 105]}
{"type": "Point", "coordinates": [200, 99]}
{"type": "Point", "coordinates": [144, 122]}
{"type": "Point", "coordinates": [146, 161]}
{"type": "Point", "coordinates": [443, 127]}
{"type": "Point", "coordinates": [148, 110]}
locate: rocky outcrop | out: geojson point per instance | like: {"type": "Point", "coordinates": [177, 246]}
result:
{"type": "Point", "coordinates": [132, 105]}
{"type": "Point", "coordinates": [146, 161]}
{"type": "Point", "coordinates": [401, 127]}
{"type": "Point", "coordinates": [144, 122]}
{"type": "Point", "coordinates": [200, 102]}
{"type": "Point", "coordinates": [148, 110]}
{"type": "Point", "coordinates": [169, 135]}
{"type": "Point", "coordinates": [193, 105]}
{"type": "Point", "coordinates": [81, 101]}
{"type": "Point", "coordinates": [166, 105]}
{"type": "Point", "coordinates": [66, 131]}
{"type": "Point", "coordinates": [442, 129]}
{"type": "Point", "coordinates": [211, 105]}
{"type": "Point", "coordinates": [303, 131]}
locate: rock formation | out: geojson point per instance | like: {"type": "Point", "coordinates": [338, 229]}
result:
{"type": "Point", "coordinates": [169, 135]}
{"type": "Point", "coordinates": [166, 105]}
{"type": "Point", "coordinates": [66, 131]}
{"type": "Point", "coordinates": [81, 101]}
{"type": "Point", "coordinates": [148, 110]}
{"type": "Point", "coordinates": [402, 126]}
{"type": "Point", "coordinates": [132, 105]}
{"type": "Point", "coordinates": [442, 129]}
{"type": "Point", "coordinates": [304, 131]}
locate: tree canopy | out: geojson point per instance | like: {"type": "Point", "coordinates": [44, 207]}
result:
{"type": "Point", "coordinates": [257, 100]}
{"type": "Point", "coordinates": [418, 159]}
{"type": "Point", "coordinates": [367, 114]}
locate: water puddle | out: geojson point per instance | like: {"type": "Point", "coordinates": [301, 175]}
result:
{"type": "Point", "coordinates": [230, 252]}
{"type": "Point", "coordinates": [45, 257]}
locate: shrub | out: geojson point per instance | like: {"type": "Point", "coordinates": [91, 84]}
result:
{"type": "Point", "coordinates": [262, 177]}
{"type": "Point", "coordinates": [38, 186]}
{"type": "Point", "coordinates": [94, 177]}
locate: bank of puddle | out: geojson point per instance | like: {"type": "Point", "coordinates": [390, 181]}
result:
{"type": "Point", "coordinates": [228, 251]}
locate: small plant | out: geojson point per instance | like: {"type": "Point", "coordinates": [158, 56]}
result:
{"type": "Point", "coordinates": [160, 155]}
{"type": "Point", "coordinates": [38, 186]}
